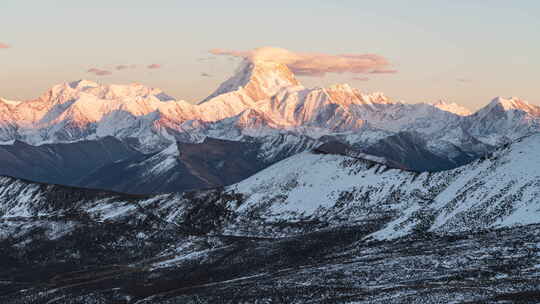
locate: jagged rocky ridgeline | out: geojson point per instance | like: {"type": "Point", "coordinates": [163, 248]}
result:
{"type": "Point", "coordinates": [377, 232]}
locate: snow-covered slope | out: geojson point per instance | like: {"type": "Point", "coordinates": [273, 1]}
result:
{"type": "Point", "coordinates": [500, 190]}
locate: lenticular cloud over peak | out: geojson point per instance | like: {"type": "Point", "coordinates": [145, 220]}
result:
{"type": "Point", "coordinates": [313, 64]}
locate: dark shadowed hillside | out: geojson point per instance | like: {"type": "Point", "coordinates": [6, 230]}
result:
{"type": "Point", "coordinates": [181, 167]}
{"type": "Point", "coordinates": [62, 163]}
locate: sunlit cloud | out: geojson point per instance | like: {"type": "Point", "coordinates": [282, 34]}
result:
{"type": "Point", "coordinates": [99, 72]}
{"type": "Point", "coordinates": [315, 64]}
{"type": "Point", "coordinates": [154, 66]}
{"type": "Point", "coordinates": [4, 46]}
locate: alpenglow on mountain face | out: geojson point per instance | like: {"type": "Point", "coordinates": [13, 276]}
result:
{"type": "Point", "coordinates": [261, 99]}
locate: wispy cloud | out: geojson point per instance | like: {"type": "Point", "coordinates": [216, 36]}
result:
{"type": "Point", "coordinates": [154, 66]}
{"type": "Point", "coordinates": [121, 67]}
{"type": "Point", "coordinates": [315, 64]}
{"type": "Point", "coordinates": [383, 71]}
{"type": "Point", "coordinates": [206, 58]}
{"type": "Point", "coordinates": [4, 46]}
{"type": "Point", "coordinates": [206, 75]}
{"type": "Point", "coordinates": [99, 72]}
{"type": "Point", "coordinates": [361, 78]}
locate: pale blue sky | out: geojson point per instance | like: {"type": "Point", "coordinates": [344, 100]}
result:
{"type": "Point", "coordinates": [462, 51]}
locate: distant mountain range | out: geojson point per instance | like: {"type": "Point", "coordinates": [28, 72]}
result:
{"type": "Point", "coordinates": [262, 98]}
{"type": "Point", "coordinates": [263, 103]}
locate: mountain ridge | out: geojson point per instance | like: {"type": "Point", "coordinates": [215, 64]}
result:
{"type": "Point", "coordinates": [266, 87]}
{"type": "Point", "coordinates": [263, 99]}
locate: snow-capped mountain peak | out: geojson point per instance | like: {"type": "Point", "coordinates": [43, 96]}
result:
{"type": "Point", "coordinates": [341, 87]}
{"type": "Point", "coordinates": [344, 94]}
{"type": "Point", "coordinates": [82, 83]}
{"type": "Point", "coordinates": [513, 103]}
{"type": "Point", "coordinates": [452, 108]}
{"type": "Point", "coordinates": [10, 102]}
{"type": "Point", "coordinates": [504, 119]}
{"type": "Point", "coordinates": [258, 79]}
{"type": "Point", "coordinates": [112, 91]}
{"type": "Point", "coordinates": [513, 106]}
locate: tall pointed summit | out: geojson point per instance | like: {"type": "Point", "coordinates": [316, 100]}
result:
{"type": "Point", "coordinates": [258, 79]}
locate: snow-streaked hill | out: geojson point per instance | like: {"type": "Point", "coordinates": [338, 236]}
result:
{"type": "Point", "coordinates": [189, 166]}
{"type": "Point", "coordinates": [180, 167]}
{"type": "Point", "coordinates": [500, 190]}
{"type": "Point", "coordinates": [333, 190]}
{"type": "Point", "coordinates": [310, 220]}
